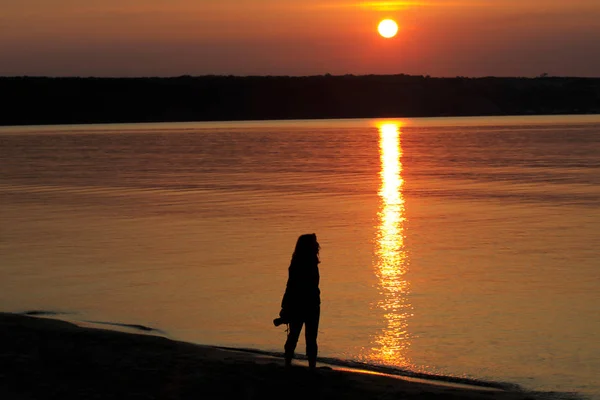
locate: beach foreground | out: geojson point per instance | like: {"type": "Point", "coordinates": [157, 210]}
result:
{"type": "Point", "coordinates": [47, 358]}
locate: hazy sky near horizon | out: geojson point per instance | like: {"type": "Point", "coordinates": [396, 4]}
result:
{"type": "Point", "coordinates": [298, 37]}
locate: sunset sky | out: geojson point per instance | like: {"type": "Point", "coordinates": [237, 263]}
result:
{"type": "Point", "coordinates": [298, 37]}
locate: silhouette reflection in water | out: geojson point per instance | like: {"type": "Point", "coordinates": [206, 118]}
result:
{"type": "Point", "coordinates": [391, 343]}
{"type": "Point", "coordinates": [301, 302]}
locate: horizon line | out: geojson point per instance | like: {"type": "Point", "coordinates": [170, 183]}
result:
{"type": "Point", "coordinates": [324, 75]}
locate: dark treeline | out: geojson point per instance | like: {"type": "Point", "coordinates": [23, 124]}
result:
{"type": "Point", "coordinates": [38, 100]}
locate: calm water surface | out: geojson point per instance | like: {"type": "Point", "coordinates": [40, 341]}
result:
{"type": "Point", "coordinates": [455, 246]}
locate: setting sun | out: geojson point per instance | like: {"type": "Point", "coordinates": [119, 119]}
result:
{"type": "Point", "coordinates": [387, 28]}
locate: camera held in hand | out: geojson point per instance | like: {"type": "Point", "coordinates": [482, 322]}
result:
{"type": "Point", "coordinates": [282, 319]}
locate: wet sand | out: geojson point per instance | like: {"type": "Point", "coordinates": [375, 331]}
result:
{"type": "Point", "coordinates": [42, 358]}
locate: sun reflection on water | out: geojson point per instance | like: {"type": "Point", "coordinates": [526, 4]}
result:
{"type": "Point", "coordinates": [391, 343]}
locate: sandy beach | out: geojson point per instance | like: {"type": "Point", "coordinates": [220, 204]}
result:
{"type": "Point", "coordinates": [46, 358]}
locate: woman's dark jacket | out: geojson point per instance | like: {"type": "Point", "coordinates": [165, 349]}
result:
{"type": "Point", "coordinates": [302, 292]}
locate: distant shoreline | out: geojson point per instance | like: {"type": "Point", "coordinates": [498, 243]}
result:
{"type": "Point", "coordinates": [53, 101]}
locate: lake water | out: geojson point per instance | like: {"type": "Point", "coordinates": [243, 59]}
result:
{"type": "Point", "coordinates": [454, 246]}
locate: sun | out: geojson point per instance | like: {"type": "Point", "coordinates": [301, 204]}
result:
{"type": "Point", "coordinates": [388, 28]}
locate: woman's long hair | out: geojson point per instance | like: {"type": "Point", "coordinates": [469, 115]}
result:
{"type": "Point", "coordinates": [307, 250]}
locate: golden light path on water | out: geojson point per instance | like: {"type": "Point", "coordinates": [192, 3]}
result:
{"type": "Point", "coordinates": [391, 343]}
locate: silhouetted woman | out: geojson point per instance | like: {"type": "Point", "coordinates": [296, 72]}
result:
{"type": "Point", "coordinates": [301, 304]}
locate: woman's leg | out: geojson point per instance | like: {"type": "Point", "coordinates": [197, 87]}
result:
{"type": "Point", "coordinates": [292, 341]}
{"type": "Point", "coordinates": [310, 333]}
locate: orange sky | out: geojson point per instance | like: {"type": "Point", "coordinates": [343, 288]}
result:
{"type": "Point", "coordinates": [268, 37]}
